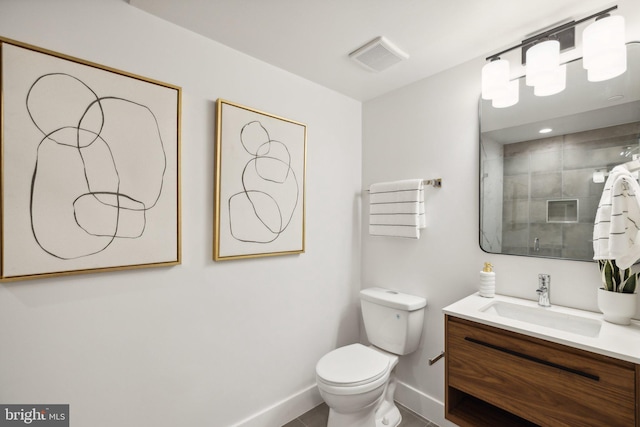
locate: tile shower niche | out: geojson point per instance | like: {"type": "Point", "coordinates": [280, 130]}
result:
{"type": "Point", "coordinates": [562, 211]}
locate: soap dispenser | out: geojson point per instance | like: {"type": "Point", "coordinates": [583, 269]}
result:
{"type": "Point", "coordinates": [487, 281]}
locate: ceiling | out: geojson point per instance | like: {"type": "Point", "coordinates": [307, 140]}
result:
{"type": "Point", "coordinates": [312, 38]}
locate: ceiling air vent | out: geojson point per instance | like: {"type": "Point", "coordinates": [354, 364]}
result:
{"type": "Point", "coordinates": [377, 55]}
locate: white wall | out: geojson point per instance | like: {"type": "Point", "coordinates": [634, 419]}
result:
{"type": "Point", "coordinates": [236, 342]}
{"type": "Point", "coordinates": [430, 130]}
{"type": "Point", "coordinates": [203, 343]}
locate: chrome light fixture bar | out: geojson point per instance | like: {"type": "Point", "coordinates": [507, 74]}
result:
{"type": "Point", "coordinates": [604, 54]}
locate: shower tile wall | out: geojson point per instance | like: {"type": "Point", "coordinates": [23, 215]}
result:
{"type": "Point", "coordinates": [558, 168]}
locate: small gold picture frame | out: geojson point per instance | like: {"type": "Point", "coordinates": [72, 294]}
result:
{"type": "Point", "coordinates": [259, 184]}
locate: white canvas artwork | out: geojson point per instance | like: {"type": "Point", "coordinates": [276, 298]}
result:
{"type": "Point", "coordinates": [260, 177]}
{"type": "Point", "coordinates": [90, 176]}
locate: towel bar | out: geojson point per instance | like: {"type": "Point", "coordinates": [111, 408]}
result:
{"type": "Point", "coordinates": [436, 182]}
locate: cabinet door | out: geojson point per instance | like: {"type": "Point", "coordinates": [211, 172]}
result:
{"type": "Point", "coordinates": [543, 382]}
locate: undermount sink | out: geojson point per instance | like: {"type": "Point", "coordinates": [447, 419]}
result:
{"type": "Point", "coordinates": [544, 317]}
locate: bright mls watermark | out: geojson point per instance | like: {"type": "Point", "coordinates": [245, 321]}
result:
{"type": "Point", "coordinates": [34, 415]}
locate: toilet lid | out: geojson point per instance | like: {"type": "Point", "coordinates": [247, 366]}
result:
{"type": "Point", "coordinates": [351, 365]}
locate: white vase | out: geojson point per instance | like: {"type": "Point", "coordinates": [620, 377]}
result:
{"type": "Point", "coordinates": [617, 307]}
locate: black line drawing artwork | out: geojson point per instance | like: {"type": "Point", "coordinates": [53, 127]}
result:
{"type": "Point", "coordinates": [270, 194]}
{"type": "Point", "coordinates": [99, 168]}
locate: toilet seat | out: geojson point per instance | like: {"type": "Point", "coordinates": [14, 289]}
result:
{"type": "Point", "coordinates": [352, 369]}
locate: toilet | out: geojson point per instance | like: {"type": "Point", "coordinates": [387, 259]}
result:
{"type": "Point", "coordinates": [357, 381]}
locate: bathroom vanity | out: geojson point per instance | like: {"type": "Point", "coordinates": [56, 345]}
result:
{"type": "Point", "coordinates": [509, 362]}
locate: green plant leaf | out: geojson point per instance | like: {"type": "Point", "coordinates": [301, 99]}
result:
{"type": "Point", "coordinates": [615, 279]}
{"type": "Point", "coordinates": [607, 274]}
{"type": "Point", "coordinates": [617, 275]}
{"type": "Point", "coordinates": [629, 285]}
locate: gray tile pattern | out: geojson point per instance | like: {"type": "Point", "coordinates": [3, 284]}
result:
{"type": "Point", "coordinates": [318, 417]}
{"type": "Point", "coordinates": [557, 168]}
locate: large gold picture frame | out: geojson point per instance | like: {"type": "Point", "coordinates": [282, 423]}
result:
{"type": "Point", "coordinates": [90, 166]}
{"type": "Point", "coordinates": [259, 183]}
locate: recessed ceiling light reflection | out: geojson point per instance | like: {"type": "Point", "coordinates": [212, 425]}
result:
{"type": "Point", "coordinates": [545, 130]}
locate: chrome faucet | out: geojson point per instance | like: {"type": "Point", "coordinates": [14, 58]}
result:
{"type": "Point", "coordinates": [544, 287]}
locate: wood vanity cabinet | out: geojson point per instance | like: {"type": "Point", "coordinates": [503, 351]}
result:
{"type": "Point", "coordinates": [495, 377]}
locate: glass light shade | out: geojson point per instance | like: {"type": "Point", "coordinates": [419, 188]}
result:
{"type": "Point", "coordinates": [510, 95]}
{"type": "Point", "coordinates": [604, 50]}
{"type": "Point", "coordinates": [612, 64]}
{"type": "Point", "coordinates": [555, 84]}
{"type": "Point", "coordinates": [495, 77]}
{"type": "Point", "coordinates": [542, 62]}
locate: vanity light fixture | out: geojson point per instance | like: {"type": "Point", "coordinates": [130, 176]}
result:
{"type": "Point", "coordinates": [604, 52]}
{"type": "Point", "coordinates": [496, 85]}
{"type": "Point", "coordinates": [510, 96]}
{"type": "Point", "coordinates": [544, 71]}
{"type": "Point", "coordinates": [495, 78]}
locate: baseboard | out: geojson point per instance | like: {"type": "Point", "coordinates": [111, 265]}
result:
{"type": "Point", "coordinates": [292, 407]}
{"type": "Point", "coordinates": [285, 410]}
{"type": "Point", "coordinates": [422, 404]}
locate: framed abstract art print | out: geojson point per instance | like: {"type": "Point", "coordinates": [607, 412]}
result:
{"type": "Point", "coordinates": [259, 184]}
{"type": "Point", "coordinates": [90, 166]}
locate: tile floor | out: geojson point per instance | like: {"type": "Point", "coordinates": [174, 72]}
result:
{"type": "Point", "coordinates": [318, 416]}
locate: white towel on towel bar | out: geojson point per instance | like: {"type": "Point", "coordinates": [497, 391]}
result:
{"type": "Point", "coordinates": [616, 232]}
{"type": "Point", "coordinates": [397, 208]}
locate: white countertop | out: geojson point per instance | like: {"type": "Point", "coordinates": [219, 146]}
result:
{"type": "Point", "coordinates": [621, 342]}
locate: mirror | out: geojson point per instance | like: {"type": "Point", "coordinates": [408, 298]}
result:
{"type": "Point", "coordinates": [539, 193]}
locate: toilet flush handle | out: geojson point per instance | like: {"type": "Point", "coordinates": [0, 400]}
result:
{"type": "Point", "coordinates": [435, 359]}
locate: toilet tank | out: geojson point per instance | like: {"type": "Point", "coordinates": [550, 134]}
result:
{"type": "Point", "coordinates": [393, 320]}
